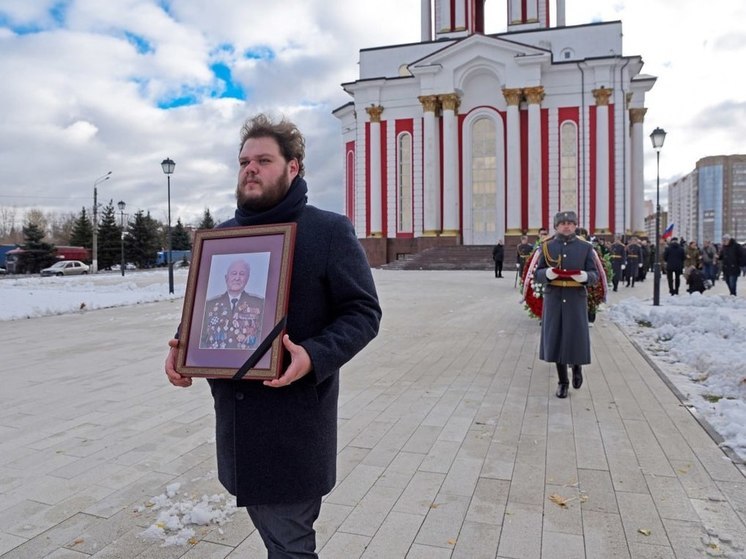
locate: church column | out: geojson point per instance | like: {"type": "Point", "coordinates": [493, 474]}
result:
{"type": "Point", "coordinates": [513, 210]}
{"type": "Point", "coordinates": [431, 167]}
{"type": "Point", "coordinates": [637, 194]}
{"type": "Point", "coordinates": [376, 227]}
{"type": "Point", "coordinates": [602, 161]}
{"type": "Point", "coordinates": [425, 21]}
{"type": "Point", "coordinates": [534, 96]}
{"type": "Point", "coordinates": [451, 202]}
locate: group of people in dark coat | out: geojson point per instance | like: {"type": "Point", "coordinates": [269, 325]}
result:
{"type": "Point", "coordinates": [702, 266]}
{"type": "Point", "coordinates": [630, 262]}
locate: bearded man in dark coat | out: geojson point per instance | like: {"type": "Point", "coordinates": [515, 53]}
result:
{"type": "Point", "coordinates": [565, 267]}
{"type": "Point", "coordinates": [277, 439]}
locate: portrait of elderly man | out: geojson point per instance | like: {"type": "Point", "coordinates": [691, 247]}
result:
{"type": "Point", "coordinates": [233, 320]}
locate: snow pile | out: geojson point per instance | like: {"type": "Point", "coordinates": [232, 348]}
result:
{"type": "Point", "coordinates": [698, 341]}
{"type": "Point", "coordinates": [176, 518]}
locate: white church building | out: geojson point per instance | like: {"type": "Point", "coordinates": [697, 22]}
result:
{"type": "Point", "coordinates": [467, 138]}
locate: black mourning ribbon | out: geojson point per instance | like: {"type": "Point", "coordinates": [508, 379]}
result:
{"type": "Point", "coordinates": [261, 350]}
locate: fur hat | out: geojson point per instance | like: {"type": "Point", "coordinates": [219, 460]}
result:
{"type": "Point", "coordinates": [565, 216]}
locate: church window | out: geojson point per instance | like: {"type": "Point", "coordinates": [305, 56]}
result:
{"type": "Point", "coordinates": [568, 166]}
{"type": "Point", "coordinates": [404, 183]}
{"type": "Point", "coordinates": [484, 180]}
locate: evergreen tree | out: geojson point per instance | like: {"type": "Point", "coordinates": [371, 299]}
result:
{"type": "Point", "coordinates": [82, 233]}
{"type": "Point", "coordinates": [109, 238]}
{"type": "Point", "coordinates": [207, 221]}
{"type": "Point", "coordinates": [142, 242]}
{"type": "Point", "coordinates": [39, 254]}
{"type": "Point", "coordinates": [180, 238]}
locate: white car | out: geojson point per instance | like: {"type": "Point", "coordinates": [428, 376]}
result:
{"type": "Point", "coordinates": [127, 266]}
{"type": "Point", "coordinates": [66, 268]}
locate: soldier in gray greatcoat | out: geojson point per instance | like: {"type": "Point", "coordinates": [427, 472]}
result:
{"type": "Point", "coordinates": [565, 267]}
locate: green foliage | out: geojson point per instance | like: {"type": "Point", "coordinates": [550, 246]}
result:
{"type": "Point", "coordinates": [39, 254]}
{"type": "Point", "coordinates": [180, 238]}
{"type": "Point", "coordinates": [109, 238]}
{"type": "Point", "coordinates": [142, 242]}
{"type": "Point", "coordinates": [82, 231]}
{"type": "Point", "coordinates": [207, 221]}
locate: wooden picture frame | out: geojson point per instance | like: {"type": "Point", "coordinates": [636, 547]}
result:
{"type": "Point", "coordinates": [236, 302]}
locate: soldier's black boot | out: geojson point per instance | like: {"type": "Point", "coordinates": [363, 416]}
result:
{"type": "Point", "coordinates": [577, 376]}
{"type": "Point", "coordinates": [563, 381]}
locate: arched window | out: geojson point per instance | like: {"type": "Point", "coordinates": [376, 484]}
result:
{"type": "Point", "coordinates": [484, 181]}
{"type": "Point", "coordinates": [568, 166]}
{"type": "Point", "coordinates": [404, 183]}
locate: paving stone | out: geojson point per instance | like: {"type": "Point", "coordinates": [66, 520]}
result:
{"type": "Point", "coordinates": [604, 535]}
{"type": "Point", "coordinates": [521, 531]}
{"type": "Point", "coordinates": [477, 541]}
{"type": "Point", "coordinates": [420, 493]}
{"type": "Point", "coordinates": [640, 518]}
{"type": "Point", "coordinates": [443, 521]}
{"type": "Point", "coordinates": [487, 505]}
{"type": "Point", "coordinates": [670, 498]}
{"type": "Point", "coordinates": [395, 536]}
{"type": "Point", "coordinates": [557, 545]}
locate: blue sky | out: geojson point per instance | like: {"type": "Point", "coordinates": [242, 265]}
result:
{"type": "Point", "coordinates": [94, 86]}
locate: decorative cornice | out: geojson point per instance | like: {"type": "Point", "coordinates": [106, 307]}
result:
{"type": "Point", "coordinates": [429, 103]}
{"type": "Point", "coordinates": [374, 112]}
{"type": "Point", "coordinates": [450, 102]}
{"type": "Point", "coordinates": [534, 95]}
{"type": "Point", "coordinates": [637, 116]}
{"type": "Point", "coordinates": [513, 96]}
{"type": "Point", "coordinates": [602, 95]}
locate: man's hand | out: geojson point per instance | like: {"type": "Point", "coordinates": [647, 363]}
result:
{"type": "Point", "coordinates": [170, 366]}
{"type": "Point", "coordinates": [624, 266]}
{"type": "Point", "coordinates": [300, 365]}
{"type": "Point", "coordinates": [581, 277]}
{"type": "Point", "coordinates": [551, 274]}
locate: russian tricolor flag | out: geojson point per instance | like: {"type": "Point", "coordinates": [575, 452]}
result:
{"type": "Point", "coordinates": [668, 232]}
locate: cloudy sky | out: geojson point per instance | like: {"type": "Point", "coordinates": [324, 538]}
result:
{"type": "Point", "coordinates": [91, 87]}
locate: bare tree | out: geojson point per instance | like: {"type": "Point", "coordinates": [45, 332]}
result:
{"type": "Point", "coordinates": [61, 227]}
{"type": "Point", "coordinates": [36, 217]}
{"type": "Point", "coordinates": [8, 226]}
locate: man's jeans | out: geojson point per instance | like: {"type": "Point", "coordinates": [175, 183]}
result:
{"type": "Point", "coordinates": [731, 282]}
{"type": "Point", "coordinates": [708, 268]}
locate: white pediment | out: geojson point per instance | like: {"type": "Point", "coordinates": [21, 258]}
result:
{"type": "Point", "coordinates": [507, 62]}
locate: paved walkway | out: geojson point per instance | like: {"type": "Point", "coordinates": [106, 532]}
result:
{"type": "Point", "coordinates": [451, 443]}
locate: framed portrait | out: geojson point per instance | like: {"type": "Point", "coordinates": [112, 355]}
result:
{"type": "Point", "coordinates": [236, 302]}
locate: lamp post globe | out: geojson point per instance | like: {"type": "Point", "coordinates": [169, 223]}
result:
{"type": "Point", "coordinates": [121, 205]}
{"type": "Point", "coordinates": [168, 167]}
{"type": "Point", "coordinates": [658, 136]}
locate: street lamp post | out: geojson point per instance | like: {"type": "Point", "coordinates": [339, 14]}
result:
{"type": "Point", "coordinates": [94, 251]}
{"type": "Point", "coordinates": [121, 206]}
{"type": "Point", "coordinates": [658, 136]}
{"type": "Point", "coordinates": [168, 166]}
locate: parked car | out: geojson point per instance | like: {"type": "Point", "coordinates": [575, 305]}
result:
{"type": "Point", "coordinates": [66, 268]}
{"type": "Point", "coordinates": [127, 266]}
{"type": "Point", "coordinates": [3, 271]}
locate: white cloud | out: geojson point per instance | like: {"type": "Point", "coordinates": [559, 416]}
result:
{"type": "Point", "coordinates": [111, 63]}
